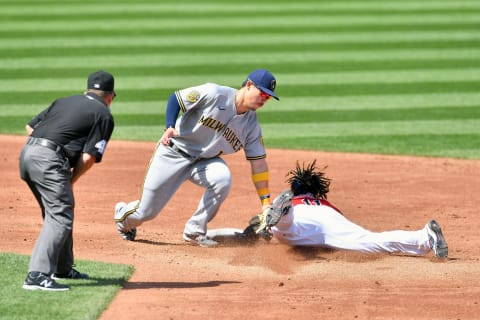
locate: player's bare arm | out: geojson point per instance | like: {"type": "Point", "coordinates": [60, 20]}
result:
{"type": "Point", "coordinates": [29, 129]}
{"type": "Point", "coordinates": [85, 162]}
{"type": "Point", "coordinates": [167, 134]}
{"type": "Point", "coordinates": [260, 177]}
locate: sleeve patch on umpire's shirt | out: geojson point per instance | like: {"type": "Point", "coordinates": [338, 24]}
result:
{"type": "Point", "coordinates": [101, 145]}
{"type": "Point", "coordinates": [193, 96]}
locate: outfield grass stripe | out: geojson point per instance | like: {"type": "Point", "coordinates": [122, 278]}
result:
{"type": "Point", "coordinates": [311, 20]}
{"type": "Point", "coordinates": [379, 88]}
{"type": "Point", "coordinates": [373, 115]}
{"type": "Point", "coordinates": [33, 8]}
{"type": "Point", "coordinates": [118, 107]}
{"type": "Point", "coordinates": [138, 132]}
{"type": "Point", "coordinates": [379, 102]}
{"type": "Point", "coordinates": [225, 68]}
{"type": "Point", "coordinates": [365, 128]}
{"type": "Point", "coordinates": [169, 81]}
{"type": "Point", "coordinates": [187, 59]}
{"type": "Point", "coordinates": [367, 76]}
{"type": "Point", "coordinates": [61, 32]}
{"type": "Point", "coordinates": [298, 104]}
{"type": "Point", "coordinates": [443, 145]}
{"type": "Point", "coordinates": [259, 37]}
{"type": "Point", "coordinates": [320, 116]}
{"type": "Point", "coordinates": [327, 90]}
{"type": "Point", "coordinates": [331, 116]}
{"type": "Point", "coordinates": [168, 20]}
{"type": "Point", "coordinates": [427, 144]}
{"type": "Point", "coordinates": [397, 76]}
{"type": "Point", "coordinates": [260, 49]}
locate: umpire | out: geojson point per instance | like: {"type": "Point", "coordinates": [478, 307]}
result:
{"type": "Point", "coordinates": [66, 139]}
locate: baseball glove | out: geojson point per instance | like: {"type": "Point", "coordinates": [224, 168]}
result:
{"type": "Point", "coordinates": [260, 224]}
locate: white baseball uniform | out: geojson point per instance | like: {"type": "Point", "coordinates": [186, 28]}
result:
{"type": "Point", "coordinates": [314, 222]}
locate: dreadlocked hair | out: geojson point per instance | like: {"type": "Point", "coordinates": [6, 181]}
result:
{"type": "Point", "coordinates": [308, 179]}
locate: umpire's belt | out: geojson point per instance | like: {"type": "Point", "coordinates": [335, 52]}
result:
{"type": "Point", "coordinates": [47, 144]}
{"type": "Point", "coordinates": [177, 149]}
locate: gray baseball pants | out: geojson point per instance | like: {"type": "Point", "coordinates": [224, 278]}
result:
{"type": "Point", "coordinates": [47, 173]}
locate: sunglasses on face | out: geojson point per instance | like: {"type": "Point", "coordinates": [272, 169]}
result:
{"type": "Point", "coordinates": [264, 95]}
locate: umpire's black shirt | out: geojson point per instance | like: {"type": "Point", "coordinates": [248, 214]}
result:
{"type": "Point", "coordinates": [79, 123]}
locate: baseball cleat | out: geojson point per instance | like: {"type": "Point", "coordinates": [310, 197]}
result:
{"type": "Point", "coordinates": [436, 239]}
{"type": "Point", "coordinates": [72, 274]}
{"type": "Point", "coordinates": [200, 240]}
{"type": "Point", "coordinates": [119, 216]}
{"type": "Point", "coordinates": [127, 235]}
{"type": "Point", "coordinates": [42, 282]}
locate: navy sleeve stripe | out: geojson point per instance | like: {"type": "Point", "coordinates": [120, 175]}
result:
{"type": "Point", "coordinates": [173, 109]}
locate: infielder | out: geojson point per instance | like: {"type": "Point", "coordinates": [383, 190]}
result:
{"type": "Point", "coordinates": [215, 120]}
{"type": "Point", "coordinates": [302, 216]}
{"type": "Point", "coordinates": [66, 140]}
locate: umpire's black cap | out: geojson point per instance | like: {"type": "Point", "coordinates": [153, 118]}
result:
{"type": "Point", "coordinates": [101, 80]}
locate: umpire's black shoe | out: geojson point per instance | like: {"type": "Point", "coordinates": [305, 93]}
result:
{"type": "Point", "coordinates": [72, 274]}
{"type": "Point", "coordinates": [42, 281]}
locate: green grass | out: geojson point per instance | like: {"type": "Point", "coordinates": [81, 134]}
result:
{"type": "Point", "coordinates": [86, 299]}
{"type": "Point", "coordinates": [356, 76]}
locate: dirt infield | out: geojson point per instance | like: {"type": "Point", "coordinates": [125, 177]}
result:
{"type": "Point", "coordinates": [174, 280]}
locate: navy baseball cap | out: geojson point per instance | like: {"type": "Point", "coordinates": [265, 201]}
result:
{"type": "Point", "coordinates": [101, 80]}
{"type": "Point", "coordinates": [264, 80]}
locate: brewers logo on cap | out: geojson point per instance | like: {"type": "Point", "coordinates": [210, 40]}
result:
{"type": "Point", "coordinates": [273, 84]}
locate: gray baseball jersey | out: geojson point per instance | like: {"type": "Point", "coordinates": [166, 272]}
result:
{"type": "Point", "coordinates": [210, 126]}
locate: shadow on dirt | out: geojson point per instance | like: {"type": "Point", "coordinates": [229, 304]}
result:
{"type": "Point", "coordinates": [175, 285]}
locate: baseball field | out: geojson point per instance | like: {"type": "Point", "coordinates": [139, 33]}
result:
{"type": "Point", "coordinates": [386, 94]}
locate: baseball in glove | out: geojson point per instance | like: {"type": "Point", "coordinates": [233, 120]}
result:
{"type": "Point", "coordinates": [260, 224]}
